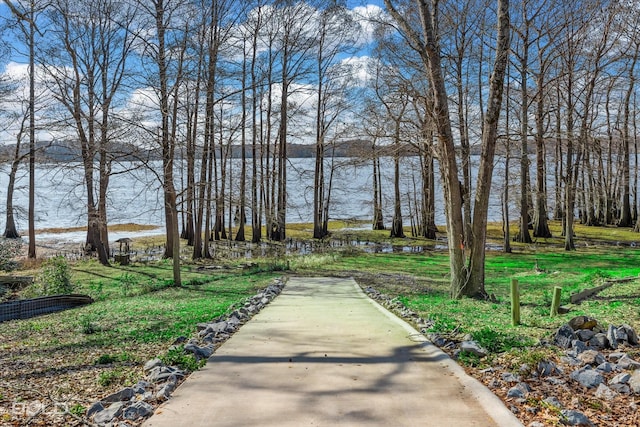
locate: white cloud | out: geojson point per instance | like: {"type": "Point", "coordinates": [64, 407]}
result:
{"type": "Point", "coordinates": [360, 69]}
{"type": "Point", "coordinates": [368, 17]}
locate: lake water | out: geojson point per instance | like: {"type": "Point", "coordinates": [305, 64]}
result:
{"type": "Point", "coordinates": [135, 194]}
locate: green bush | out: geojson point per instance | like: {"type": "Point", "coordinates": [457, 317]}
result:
{"type": "Point", "coordinates": [55, 277]}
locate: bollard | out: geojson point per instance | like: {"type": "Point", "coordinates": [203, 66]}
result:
{"type": "Point", "coordinates": [515, 303]}
{"type": "Point", "coordinates": [555, 303]}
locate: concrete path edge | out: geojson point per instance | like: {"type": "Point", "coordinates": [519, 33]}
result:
{"type": "Point", "coordinates": [492, 404]}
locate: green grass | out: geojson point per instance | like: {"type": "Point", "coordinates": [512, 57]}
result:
{"type": "Point", "coordinates": [136, 316]}
{"type": "Point", "coordinates": [138, 312]}
{"type": "Point", "coordinates": [421, 282]}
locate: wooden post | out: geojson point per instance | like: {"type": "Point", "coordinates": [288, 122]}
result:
{"type": "Point", "coordinates": [555, 303]}
{"type": "Point", "coordinates": [515, 303]}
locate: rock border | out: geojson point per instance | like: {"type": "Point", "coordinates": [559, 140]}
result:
{"type": "Point", "coordinates": [132, 405]}
{"type": "Point", "coordinates": [604, 375]}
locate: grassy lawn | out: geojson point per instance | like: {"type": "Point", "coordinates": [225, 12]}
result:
{"type": "Point", "coordinates": [81, 354]}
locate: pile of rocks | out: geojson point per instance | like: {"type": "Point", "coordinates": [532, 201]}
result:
{"type": "Point", "coordinates": [133, 404]}
{"type": "Point", "coordinates": [586, 345]}
{"type": "Point", "coordinates": [585, 332]}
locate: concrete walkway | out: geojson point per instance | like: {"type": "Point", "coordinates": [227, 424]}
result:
{"type": "Point", "coordinates": [324, 354]}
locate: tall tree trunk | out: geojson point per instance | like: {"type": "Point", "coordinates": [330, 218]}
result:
{"type": "Point", "coordinates": [378, 222]}
{"type": "Point", "coordinates": [31, 253]}
{"type": "Point", "coordinates": [475, 283]}
{"type": "Point", "coordinates": [430, 53]}
{"type": "Point", "coordinates": [523, 234]}
{"type": "Point", "coordinates": [243, 149]}
{"type": "Point", "coordinates": [540, 221]}
{"type": "Point", "coordinates": [10, 230]}
{"type": "Point", "coordinates": [626, 219]}
{"type": "Point", "coordinates": [396, 224]}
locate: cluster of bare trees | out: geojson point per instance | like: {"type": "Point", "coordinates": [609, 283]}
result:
{"type": "Point", "coordinates": [568, 117]}
{"type": "Point", "coordinates": [190, 80]}
{"type": "Point", "coordinates": [549, 86]}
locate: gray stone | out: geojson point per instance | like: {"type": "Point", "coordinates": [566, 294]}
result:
{"type": "Point", "coordinates": [599, 341]}
{"type": "Point", "coordinates": [233, 320]}
{"type": "Point", "coordinates": [215, 328]}
{"type": "Point", "coordinates": [614, 357]}
{"type": "Point", "coordinates": [209, 338]}
{"type": "Point", "coordinates": [575, 418]}
{"type": "Point", "coordinates": [605, 393]}
{"type": "Point", "coordinates": [585, 334]}
{"type": "Point", "coordinates": [555, 380]}
{"type": "Point", "coordinates": [120, 396]}
{"type": "Point", "coordinates": [164, 373]}
{"type": "Point", "coordinates": [519, 391]}
{"type": "Point", "coordinates": [591, 357]}
{"type": "Point", "coordinates": [632, 336]}
{"type": "Point", "coordinates": [626, 362]}
{"type": "Point", "coordinates": [546, 368]}
{"type": "Point", "coordinates": [199, 352]}
{"type": "Point", "coordinates": [620, 388]}
{"type": "Point", "coordinates": [578, 347]}
{"type": "Point", "coordinates": [153, 363]}
{"type": "Point", "coordinates": [164, 392]}
{"type": "Point", "coordinates": [536, 424]}
{"type": "Point", "coordinates": [621, 335]}
{"type": "Point", "coordinates": [510, 378]}
{"type": "Point", "coordinates": [202, 326]}
{"type": "Point", "coordinates": [473, 348]}
{"type": "Point", "coordinates": [96, 407]}
{"type": "Point", "coordinates": [622, 378]}
{"type": "Point", "coordinates": [515, 392]}
{"type": "Point", "coordinates": [137, 410]}
{"type": "Point", "coordinates": [611, 336]}
{"type": "Point", "coordinates": [634, 382]}
{"type": "Point", "coordinates": [553, 401]}
{"type": "Point", "coordinates": [180, 340]}
{"type": "Point", "coordinates": [605, 367]}
{"type": "Point", "coordinates": [587, 377]}
{"type": "Point", "coordinates": [107, 415]}
{"type": "Point", "coordinates": [141, 387]}
{"type": "Point", "coordinates": [570, 360]}
{"type": "Point", "coordinates": [564, 336]}
{"type": "Point", "coordinates": [437, 340]}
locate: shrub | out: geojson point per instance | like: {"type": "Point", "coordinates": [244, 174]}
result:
{"type": "Point", "coordinates": [177, 357]}
{"type": "Point", "coordinates": [88, 326]}
{"type": "Point", "coordinates": [55, 277]}
{"type": "Point", "coordinates": [106, 359]}
{"type": "Point", "coordinates": [9, 250]}
{"type": "Point", "coordinates": [127, 281]}
{"type": "Point", "coordinates": [78, 410]}
{"type": "Point", "coordinates": [107, 378]}
{"type": "Point", "coordinates": [498, 342]}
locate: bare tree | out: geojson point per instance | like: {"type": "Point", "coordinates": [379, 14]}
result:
{"type": "Point", "coordinates": [335, 38]}
{"type": "Point", "coordinates": [27, 15]}
{"type": "Point", "coordinates": [425, 41]}
{"type": "Point", "coordinates": [88, 63]}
